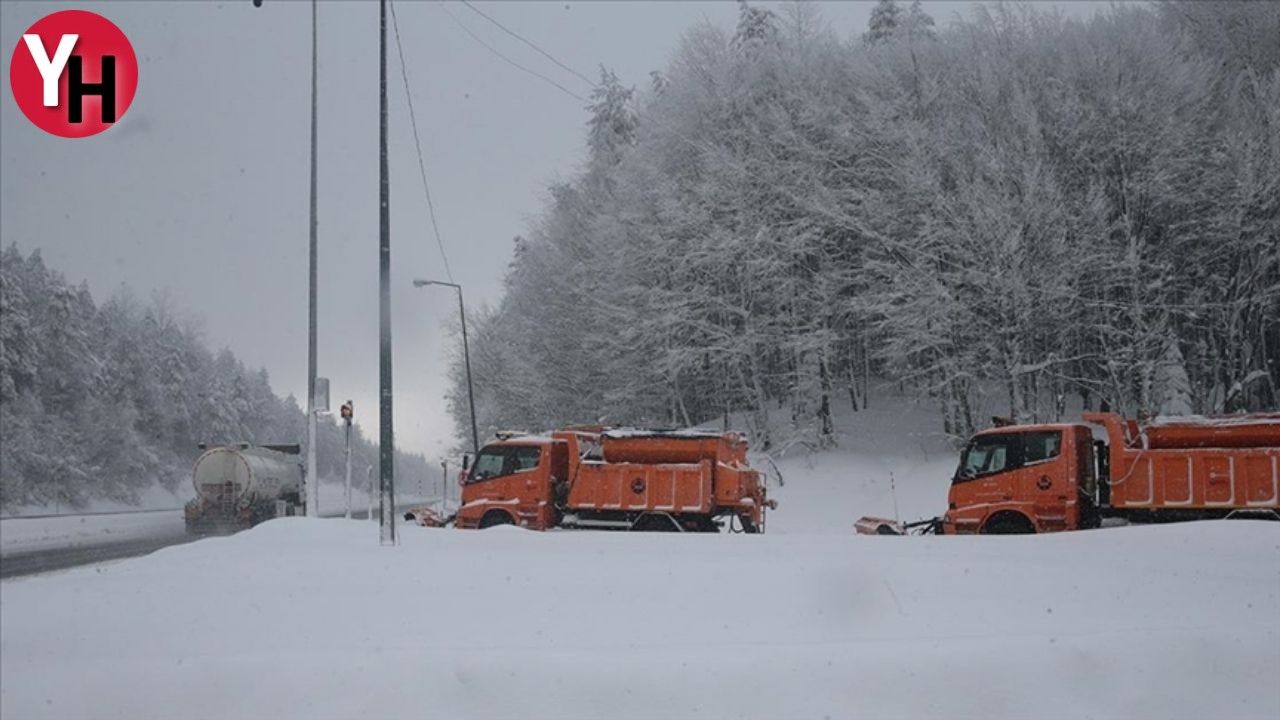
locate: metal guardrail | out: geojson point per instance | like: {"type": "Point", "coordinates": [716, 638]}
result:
{"type": "Point", "coordinates": [332, 513]}
{"type": "Point", "coordinates": [83, 514]}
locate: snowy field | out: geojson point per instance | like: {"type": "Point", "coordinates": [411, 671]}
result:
{"type": "Point", "coordinates": [311, 619]}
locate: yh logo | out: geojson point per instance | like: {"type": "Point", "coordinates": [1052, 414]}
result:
{"type": "Point", "coordinates": [73, 73]}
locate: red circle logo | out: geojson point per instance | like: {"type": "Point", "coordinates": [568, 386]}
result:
{"type": "Point", "coordinates": [73, 73]}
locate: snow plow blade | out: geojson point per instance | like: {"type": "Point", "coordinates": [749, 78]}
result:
{"type": "Point", "coordinates": [878, 526]}
{"type": "Point", "coordinates": [427, 517]}
{"type": "Point", "coordinates": [884, 526]}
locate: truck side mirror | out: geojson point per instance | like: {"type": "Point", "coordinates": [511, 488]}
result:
{"type": "Point", "coordinates": [466, 462]}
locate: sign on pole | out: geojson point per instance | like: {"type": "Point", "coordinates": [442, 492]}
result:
{"type": "Point", "coordinates": [322, 396]}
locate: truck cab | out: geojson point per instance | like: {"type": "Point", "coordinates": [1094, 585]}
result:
{"type": "Point", "coordinates": [1024, 479]}
{"type": "Point", "coordinates": [513, 482]}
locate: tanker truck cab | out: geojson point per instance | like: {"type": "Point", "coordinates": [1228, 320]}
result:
{"type": "Point", "coordinates": [1023, 479]}
{"type": "Point", "coordinates": [511, 483]}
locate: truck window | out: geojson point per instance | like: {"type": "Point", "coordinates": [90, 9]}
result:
{"type": "Point", "coordinates": [988, 454]}
{"type": "Point", "coordinates": [498, 461]}
{"type": "Point", "coordinates": [1041, 446]}
{"type": "Point", "coordinates": [524, 458]}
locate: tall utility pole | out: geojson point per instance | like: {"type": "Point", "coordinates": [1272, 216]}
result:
{"type": "Point", "coordinates": [313, 476]}
{"type": "Point", "coordinates": [386, 435]}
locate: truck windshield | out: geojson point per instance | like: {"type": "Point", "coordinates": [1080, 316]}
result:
{"type": "Point", "coordinates": [489, 464]}
{"type": "Point", "coordinates": [987, 454]}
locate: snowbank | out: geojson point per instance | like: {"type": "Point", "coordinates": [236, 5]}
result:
{"type": "Point", "coordinates": [311, 619]}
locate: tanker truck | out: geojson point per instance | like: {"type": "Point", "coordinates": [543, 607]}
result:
{"type": "Point", "coordinates": [612, 479]}
{"type": "Point", "coordinates": [239, 486]}
{"type": "Point", "coordinates": [1071, 476]}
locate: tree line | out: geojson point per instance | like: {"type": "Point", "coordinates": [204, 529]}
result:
{"type": "Point", "coordinates": [101, 401]}
{"type": "Point", "coordinates": [1002, 215]}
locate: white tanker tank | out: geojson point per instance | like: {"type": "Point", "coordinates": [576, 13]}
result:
{"type": "Point", "coordinates": [241, 485]}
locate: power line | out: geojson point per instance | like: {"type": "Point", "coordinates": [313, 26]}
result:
{"type": "Point", "coordinates": [508, 60]}
{"type": "Point", "coordinates": [519, 37]}
{"type": "Point", "coordinates": [413, 121]}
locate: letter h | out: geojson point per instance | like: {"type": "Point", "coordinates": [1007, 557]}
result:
{"type": "Point", "coordinates": [78, 89]}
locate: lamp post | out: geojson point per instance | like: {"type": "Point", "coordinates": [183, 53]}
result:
{"type": "Point", "coordinates": [313, 479]}
{"type": "Point", "coordinates": [466, 355]}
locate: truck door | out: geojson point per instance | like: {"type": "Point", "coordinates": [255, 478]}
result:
{"type": "Point", "coordinates": [1043, 481]}
{"type": "Point", "coordinates": [1019, 476]}
{"type": "Point", "coordinates": [983, 476]}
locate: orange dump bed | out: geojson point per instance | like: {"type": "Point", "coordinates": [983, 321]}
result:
{"type": "Point", "coordinates": [675, 472]}
{"type": "Point", "coordinates": [656, 447]}
{"type": "Point", "coordinates": [1227, 463]}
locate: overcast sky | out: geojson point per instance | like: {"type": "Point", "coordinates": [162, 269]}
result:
{"type": "Point", "coordinates": [201, 188]}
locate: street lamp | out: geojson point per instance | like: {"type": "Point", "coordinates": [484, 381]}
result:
{"type": "Point", "coordinates": [466, 355]}
{"type": "Point", "coordinates": [313, 477]}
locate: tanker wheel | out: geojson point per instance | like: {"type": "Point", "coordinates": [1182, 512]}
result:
{"type": "Point", "coordinates": [494, 518]}
{"type": "Point", "coordinates": [1008, 523]}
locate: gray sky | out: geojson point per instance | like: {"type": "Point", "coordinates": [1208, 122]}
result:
{"type": "Point", "coordinates": [201, 188]}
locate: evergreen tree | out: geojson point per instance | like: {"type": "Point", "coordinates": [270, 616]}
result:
{"type": "Point", "coordinates": [885, 19]}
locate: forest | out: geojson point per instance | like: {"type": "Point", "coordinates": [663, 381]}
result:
{"type": "Point", "coordinates": [101, 401]}
{"type": "Point", "coordinates": [1006, 215]}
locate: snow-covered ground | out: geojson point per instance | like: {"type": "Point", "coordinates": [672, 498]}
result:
{"type": "Point", "coordinates": [312, 619]}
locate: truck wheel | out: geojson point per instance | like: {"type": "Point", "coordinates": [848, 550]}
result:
{"type": "Point", "coordinates": [494, 518]}
{"type": "Point", "coordinates": [1008, 523]}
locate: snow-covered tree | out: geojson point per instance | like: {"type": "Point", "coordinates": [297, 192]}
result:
{"type": "Point", "coordinates": [886, 18]}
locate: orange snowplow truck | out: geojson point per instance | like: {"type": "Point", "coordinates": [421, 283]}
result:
{"type": "Point", "coordinates": [615, 479]}
{"type": "Point", "coordinates": [1045, 478]}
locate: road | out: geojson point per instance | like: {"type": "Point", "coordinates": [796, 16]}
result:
{"type": "Point", "coordinates": [39, 561]}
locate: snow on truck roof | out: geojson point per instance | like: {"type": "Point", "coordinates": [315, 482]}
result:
{"type": "Point", "coordinates": [1215, 421]}
{"type": "Point", "coordinates": [515, 438]}
{"type": "Point", "coordinates": [620, 433]}
{"type": "Point", "coordinates": [1027, 427]}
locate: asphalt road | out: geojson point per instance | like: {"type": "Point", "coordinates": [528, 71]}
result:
{"type": "Point", "coordinates": [38, 561]}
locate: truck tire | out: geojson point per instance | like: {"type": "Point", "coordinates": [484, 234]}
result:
{"type": "Point", "coordinates": [494, 518]}
{"type": "Point", "coordinates": [1008, 523]}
